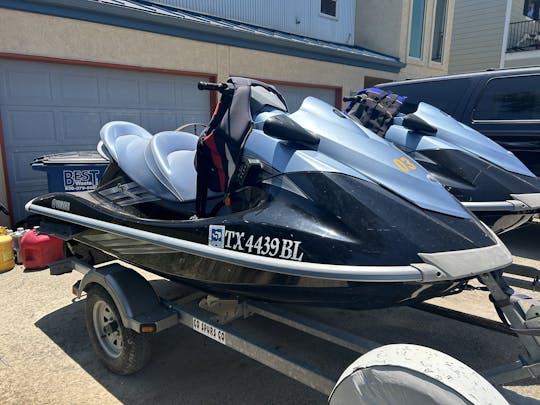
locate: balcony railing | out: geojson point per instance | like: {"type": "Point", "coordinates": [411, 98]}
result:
{"type": "Point", "coordinates": [523, 36]}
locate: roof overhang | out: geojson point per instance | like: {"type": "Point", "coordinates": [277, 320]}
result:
{"type": "Point", "coordinates": [179, 23]}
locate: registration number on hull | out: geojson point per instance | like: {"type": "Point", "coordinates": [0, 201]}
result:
{"type": "Point", "coordinates": [287, 249]}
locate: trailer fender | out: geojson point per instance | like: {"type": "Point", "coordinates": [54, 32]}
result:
{"type": "Point", "coordinates": [137, 302]}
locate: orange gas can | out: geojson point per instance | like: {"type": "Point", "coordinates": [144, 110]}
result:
{"type": "Point", "coordinates": [39, 249]}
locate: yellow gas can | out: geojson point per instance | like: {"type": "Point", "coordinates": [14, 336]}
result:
{"type": "Point", "coordinates": [7, 261]}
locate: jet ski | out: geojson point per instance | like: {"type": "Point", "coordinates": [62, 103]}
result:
{"type": "Point", "coordinates": [485, 177]}
{"type": "Point", "coordinates": [304, 207]}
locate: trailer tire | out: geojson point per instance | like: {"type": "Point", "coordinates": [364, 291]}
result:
{"type": "Point", "coordinates": [122, 350]}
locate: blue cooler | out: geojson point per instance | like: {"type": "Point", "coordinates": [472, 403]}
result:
{"type": "Point", "coordinates": [72, 171]}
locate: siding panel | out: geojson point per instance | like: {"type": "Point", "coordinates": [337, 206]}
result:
{"type": "Point", "coordinates": [477, 35]}
{"type": "Point", "coordinates": [301, 17]}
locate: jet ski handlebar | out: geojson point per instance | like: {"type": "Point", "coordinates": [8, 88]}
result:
{"type": "Point", "coordinates": [359, 97]}
{"type": "Point", "coordinates": [221, 87]}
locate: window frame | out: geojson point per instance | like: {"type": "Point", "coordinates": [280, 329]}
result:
{"type": "Point", "coordinates": [330, 16]}
{"type": "Point", "coordinates": [422, 36]}
{"type": "Point", "coordinates": [444, 32]}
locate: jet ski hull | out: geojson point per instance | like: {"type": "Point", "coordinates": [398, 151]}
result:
{"type": "Point", "coordinates": [352, 248]}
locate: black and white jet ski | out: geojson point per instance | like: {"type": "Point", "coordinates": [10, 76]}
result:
{"type": "Point", "coordinates": [485, 177]}
{"type": "Point", "coordinates": [301, 208]}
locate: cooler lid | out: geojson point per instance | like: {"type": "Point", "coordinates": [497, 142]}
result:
{"type": "Point", "coordinates": [79, 157]}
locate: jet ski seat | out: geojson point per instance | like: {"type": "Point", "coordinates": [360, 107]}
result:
{"type": "Point", "coordinates": [169, 157]}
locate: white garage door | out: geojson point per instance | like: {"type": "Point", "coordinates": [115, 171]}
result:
{"type": "Point", "coordinates": [49, 107]}
{"type": "Point", "coordinates": [294, 95]}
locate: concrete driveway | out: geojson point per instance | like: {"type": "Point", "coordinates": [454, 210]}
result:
{"type": "Point", "coordinates": [46, 357]}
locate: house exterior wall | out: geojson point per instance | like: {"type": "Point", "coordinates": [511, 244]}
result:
{"type": "Point", "coordinates": [301, 17]}
{"type": "Point", "coordinates": [378, 26]}
{"type": "Point", "coordinates": [522, 59]}
{"type": "Point", "coordinates": [425, 67]}
{"type": "Point", "coordinates": [477, 35]}
{"type": "Point", "coordinates": [384, 26]}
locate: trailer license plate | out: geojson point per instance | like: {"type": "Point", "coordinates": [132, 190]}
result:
{"type": "Point", "coordinates": [211, 331]}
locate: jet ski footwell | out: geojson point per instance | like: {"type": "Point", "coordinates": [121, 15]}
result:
{"type": "Point", "coordinates": [141, 310]}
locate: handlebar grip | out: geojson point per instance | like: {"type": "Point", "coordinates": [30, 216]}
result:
{"type": "Point", "coordinates": [352, 98]}
{"type": "Point", "coordinates": [212, 86]}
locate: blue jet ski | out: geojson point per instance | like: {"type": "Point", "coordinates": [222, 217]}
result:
{"type": "Point", "coordinates": [305, 208]}
{"type": "Point", "coordinates": [484, 176]}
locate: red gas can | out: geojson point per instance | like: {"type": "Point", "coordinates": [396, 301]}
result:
{"type": "Point", "coordinates": [39, 249]}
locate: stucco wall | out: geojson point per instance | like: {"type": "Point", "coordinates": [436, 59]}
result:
{"type": "Point", "coordinates": [378, 26]}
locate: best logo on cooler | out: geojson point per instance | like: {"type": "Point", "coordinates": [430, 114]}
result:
{"type": "Point", "coordinates": [80, 180]}
{"type": "Point", "coordinates": [286, 249]}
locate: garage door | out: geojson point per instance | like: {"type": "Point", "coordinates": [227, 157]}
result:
{"type": "Point", "coordinates": [49, 107]}
{"type": "Point", "coordinates": [294, 95]}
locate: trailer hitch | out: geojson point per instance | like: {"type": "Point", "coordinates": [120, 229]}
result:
{"type": "Point", "coordinates": [521, 314]}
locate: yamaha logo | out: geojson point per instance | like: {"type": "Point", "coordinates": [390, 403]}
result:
{"type": "Point", "coordinates": [61, 205]}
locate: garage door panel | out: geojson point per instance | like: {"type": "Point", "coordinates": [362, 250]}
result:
{"type": "Point", "coordinates": [193, 116]}
{"type": "Point", "coordinates": [122, 115]}
{"type": "Point", "coordinates": [79, 90]}
{"type": "Point", "coordinates": [29, 127]}
{"type": "Point", "coordinates": [157, 122]}
{"type": "Point", "coordinates": [191, 97]}
{"type": "Point", "coordinates": [21, 169]}
{"type": "Point", "coordinates": [80, 127]}
{"type": "Point", "coordinates": [160, 93]}
{"type": "Point", "coordinates": [30, 87]}
{"type": "Point", "coordinates": [20, 200]}
{"type": "Point", "coordinates": [122, 92]}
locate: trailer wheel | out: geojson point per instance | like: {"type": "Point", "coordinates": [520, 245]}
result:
{"type": "Point", "coordinates": [122, 350]}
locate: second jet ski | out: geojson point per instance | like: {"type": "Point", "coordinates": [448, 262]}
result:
{"type": "Point", "coordinates": [484, 176]}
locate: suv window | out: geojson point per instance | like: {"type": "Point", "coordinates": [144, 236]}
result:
{"type": "Point", "coordinates": [446, 95]}
{"type": "Point", "coordinates": [510, 98]}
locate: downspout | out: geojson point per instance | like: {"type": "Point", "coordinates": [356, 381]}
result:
{"type": "Point", "coordinates": [506, 32]}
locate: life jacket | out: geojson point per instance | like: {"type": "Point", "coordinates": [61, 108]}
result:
{"type": "Point", "coordinates": [375, 109]}
{"type": "Point", "coordinates": [220, 146]}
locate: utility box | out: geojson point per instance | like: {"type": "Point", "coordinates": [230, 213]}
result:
{"type": "Point", "coordinates": [72, 171]}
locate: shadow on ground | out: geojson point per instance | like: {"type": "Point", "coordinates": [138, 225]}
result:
{"type": "Point", "coordinates": [186, 368]}
{"type": "Point", "coordinates": [525, 241]}
{"type": "Point", "coordinates": [190, 369]}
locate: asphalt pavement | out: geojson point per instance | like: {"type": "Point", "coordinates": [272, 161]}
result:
{"type": "Point", "coordinates": [46, 357]}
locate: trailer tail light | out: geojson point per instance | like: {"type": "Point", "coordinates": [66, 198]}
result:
{"type": "Point", "coordinates": [148, 328]}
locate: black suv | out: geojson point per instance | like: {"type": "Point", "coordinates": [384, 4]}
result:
{"type": "Point", "coordinates": [504, 105]}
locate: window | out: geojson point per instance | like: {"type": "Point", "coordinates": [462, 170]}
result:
{"type": "Point", "coordinates": [510, 98]}
{"type": "Point", "coordinates": [531, 9]}
{"type": "Point", "coordinates": [439, 28]}
{"type": "Point", "coordinates": [417, 28]}
{"type": "Point", "coordinates": [328, 7]}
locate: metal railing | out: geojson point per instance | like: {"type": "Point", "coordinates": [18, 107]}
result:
{"type": "Point", "coordinates": [523, 36]}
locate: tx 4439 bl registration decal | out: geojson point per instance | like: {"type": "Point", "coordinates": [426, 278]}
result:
{"type": "Point", "coordinates": [287, 249]}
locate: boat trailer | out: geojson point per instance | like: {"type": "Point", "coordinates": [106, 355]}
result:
{"type": "Point", "coordinates": [140, 312]}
